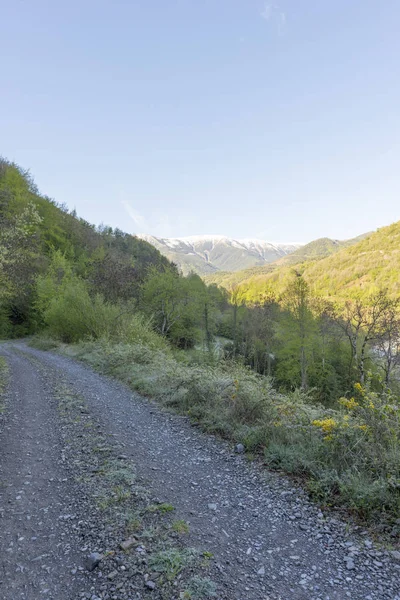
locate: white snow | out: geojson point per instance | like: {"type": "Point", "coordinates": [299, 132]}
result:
{"type": "Point", "coordinates": [248, 243]}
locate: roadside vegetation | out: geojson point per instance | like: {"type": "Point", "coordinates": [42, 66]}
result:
{"type": "Point", "coordinates": [307, 383]}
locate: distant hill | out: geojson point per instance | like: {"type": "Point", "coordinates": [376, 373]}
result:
{"type": "Point", "coordinates": [319, 249]}
{"type": "Point", "coordinates": [210, 253]}
{"type": "Point", "coordinates": [357, 270]}
{"type": "Point", "coordinates": [315, 250]}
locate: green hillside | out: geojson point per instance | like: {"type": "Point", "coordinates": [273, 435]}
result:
{"type": "Point", "coordinates": [315, 250]}
{"type": "Point", "coordinates": [34, 228]}
{"type": "Point", "coordinates": [357, 270]}
{"type": "Point", "coordinates": [370, 265]}
{"type": "Point", "coordinates": [318, 249]}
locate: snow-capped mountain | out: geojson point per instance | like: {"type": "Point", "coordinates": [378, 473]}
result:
{"type": "Point", "coordinates": [205, 254]}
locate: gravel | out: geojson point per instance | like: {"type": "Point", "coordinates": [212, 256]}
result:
{"type": "Point", "coordinates": [268, 540]}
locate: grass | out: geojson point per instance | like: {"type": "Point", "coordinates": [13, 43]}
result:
{"type": "Point", "coordinates": [200, 588]}
{"type": "Point", "coordinates": [160, 508]}
{"type": "Point", "coordinates": [43, 343]}
{"type": "Point", "coordinates": [172, 561]}
{"type": "Point", "coordinates": [180, 527]}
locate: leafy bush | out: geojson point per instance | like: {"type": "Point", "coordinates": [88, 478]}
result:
{"type": "Point", "coordinates": [72, 315]}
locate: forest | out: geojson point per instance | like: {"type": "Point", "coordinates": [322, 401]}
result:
{"type": "Point", "coordinates": [300, 370]}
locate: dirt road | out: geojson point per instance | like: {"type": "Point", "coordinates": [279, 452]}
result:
{"type": "Point", "coordinates": [268, 540]}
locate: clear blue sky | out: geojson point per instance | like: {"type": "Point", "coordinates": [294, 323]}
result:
{"type": "Point", "coordinates": [176, 117]}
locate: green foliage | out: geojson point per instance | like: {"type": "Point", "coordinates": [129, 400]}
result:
{"type": "Point", "coordinates": [161, 508]}
{"type": "Point", "coordinates": [42, 342]}
{"type": "Point", "coordinates": [182, 308]}
{"type": "Point", "coordinates": [172, 561]}
{"type": "Point", "coordinates": [73, 315]}
{"type": "Point", "coordinates": [200, 588]}
{"type": "Point", "coordinates": [3, 382]}
{"type": "Point", "coordinates": [355, 270]}
{"type": "Point", "coordinates": [180, 527]}
{"type": "Point", "coordinates": [36, 233]}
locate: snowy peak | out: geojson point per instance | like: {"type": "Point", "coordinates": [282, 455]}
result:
{"type": "Point", "coordinates": [205, 254]}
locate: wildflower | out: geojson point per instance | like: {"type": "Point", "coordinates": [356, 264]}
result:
{"type": "Point", "coordinates": [327, 425]}
{"type": "Point", "coordinates": [359, 389]}
{"type": "Point", "coordinates": [363, 427]}
{"type": "Point", "coordinates": [349, 403]}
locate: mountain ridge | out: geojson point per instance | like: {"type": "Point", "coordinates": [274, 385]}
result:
{"type": "Point", "coordinates": [207, 254]}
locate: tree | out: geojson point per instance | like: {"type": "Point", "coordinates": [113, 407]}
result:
{"type": "Point", "coordinates": [258, 326]}
{"type": "Point", "coordinates": [236, 300]}
{"type": "Point", "coordinates": [297, 299]}
{"type": "Point", "coordinates": [362, 324]}
{"type": "Point", "coordinates": [388, 338]}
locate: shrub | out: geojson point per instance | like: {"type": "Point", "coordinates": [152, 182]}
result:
{"type": "Point", "coordinates": [72, 315]}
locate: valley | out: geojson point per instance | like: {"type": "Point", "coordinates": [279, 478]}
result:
{"type": "Point", "coordinates": [281, 378]}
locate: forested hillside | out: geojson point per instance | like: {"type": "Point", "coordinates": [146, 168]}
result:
{"type": "Point", "coordinates": [354, 270]}
{"type": "Point", "coordinates": [273, 363]}
{"type": "Point", "coordinates": [38, 236]}
{"type": "Point", "coordinates": [315, 250]}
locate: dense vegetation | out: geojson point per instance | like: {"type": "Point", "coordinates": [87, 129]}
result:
{"type": "Point", "coordinates": [310, 383]}
{"type": "Point", "coordinates": [40, 240]}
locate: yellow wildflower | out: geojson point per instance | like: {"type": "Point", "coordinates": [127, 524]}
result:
{"type": "Point", "coordinates": [349, 403]}
{"type": "Point", "coordinates": [327, 425]}
{"type": "Point", "coordinates": [359, 389]}
{"type": "Point", "coordinates": [363, 427]}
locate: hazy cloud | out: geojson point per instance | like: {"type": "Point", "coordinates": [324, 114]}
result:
{"type": "Point", "coordinates": [138, 219]}
{"type": "Point", "coordinates": [272, 13]}
{"type": "Point", "coordinates": [159, 225]}
{"type": "Point", "coordinates": [267, 12]}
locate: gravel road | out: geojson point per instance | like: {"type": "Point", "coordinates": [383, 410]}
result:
{"type": "Point", "coordinates": [269, 541]}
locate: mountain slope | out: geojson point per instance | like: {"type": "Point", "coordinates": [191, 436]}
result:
{"type": "Point", "coordinates": [314, 250]}
{"type": "Point", "coordinates": [358, 270]}
{"type": "Point", "coordinates": [209, 254]}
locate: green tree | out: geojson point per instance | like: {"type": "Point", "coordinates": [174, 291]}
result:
{"type": "Point", "coordinates": [297, 300]}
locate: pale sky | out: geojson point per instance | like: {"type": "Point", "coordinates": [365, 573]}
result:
{"type": "Point", "coordinates": [245, 118]}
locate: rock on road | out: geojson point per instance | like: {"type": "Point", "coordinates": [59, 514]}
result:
{"type": "Point", "coordinates": [269, 541]}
